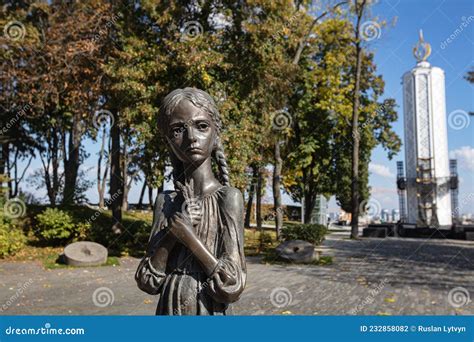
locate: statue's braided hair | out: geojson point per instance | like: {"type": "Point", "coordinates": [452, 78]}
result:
{"type": "Point", "coordinates": [221, 162]}
{"type": "Point", "coordinates": [202, 100]}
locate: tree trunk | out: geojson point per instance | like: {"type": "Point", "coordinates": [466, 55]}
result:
{"type": "Point", "coordinates": [150, 196]}
{"type": "Point", "coordinates": [126, 186]}
{"type": "Point", "coordinates": [71, 162]}
{"type": "Point", "coordinates": [308, 205]}
{"type": "Point", "coordinates": [126, 190]}
{"type": "Point", "coordinates": [17, 179]}
{"type": "Point", "coordinates": [58, 142]}
{"type": "Point", "coordinates": [5, 156]}
{"type": "Point", "coordinates": [248, 212]}
{"type": "Point", "coordinates": [276, 189]}
{"type": "Point", "coordinates": [258, 208]}
{"type": "Point", "coordinates": [359, 7]}
{"type": "Point", "coordinates": [51, 180]}
{"type": "Point", "coordinates": [142, 195]}
{"type": "Point", "coordinates": [116, 181]}
{"type": "Point", "coordinates": [303, 198]}
{"type": "Point", "coordinates": [106, 171]}
{"type": "Point", "coordinates": [100, 187]}
{"type": "Point", "coordinates": [12, 192]}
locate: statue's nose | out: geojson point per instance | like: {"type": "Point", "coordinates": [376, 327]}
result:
{"type": "Point", "coordinates": [191, 134]}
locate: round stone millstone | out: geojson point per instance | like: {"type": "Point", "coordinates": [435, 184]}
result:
{"type": "Point", "coordinates": [85, 253]}
{"type": "Point", "coordinates": [297, 251]}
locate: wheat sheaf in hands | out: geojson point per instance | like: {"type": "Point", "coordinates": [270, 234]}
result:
{"type": "Point", "coordinates": [191, 206]}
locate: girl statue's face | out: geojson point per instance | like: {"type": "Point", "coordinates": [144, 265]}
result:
{"type": "Point", "coordinates": [191, 133]}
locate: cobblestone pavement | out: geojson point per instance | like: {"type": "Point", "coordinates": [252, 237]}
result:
{"type": "Point", "coordinates": [372, 276]}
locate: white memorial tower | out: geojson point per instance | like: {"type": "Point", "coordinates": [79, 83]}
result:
{"type": "Point", "coordinates": [426, 190]}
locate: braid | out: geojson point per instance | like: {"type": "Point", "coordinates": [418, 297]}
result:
{"type": "Point", "coordinates": [221, 161]}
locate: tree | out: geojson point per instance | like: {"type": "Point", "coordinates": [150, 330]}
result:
{"type": "Point", "coordinates": [16, 144]}
{"type": "Point", "coordinates": [319, 158]}
{"type": "Point", "coordinates": [470, 78]}
{"type": "Point", "coordinates": [359, 9]}
{"type": "Point", "coordinates": [57, 74]}
{"type": "Point", "coordinates": [364, 100]}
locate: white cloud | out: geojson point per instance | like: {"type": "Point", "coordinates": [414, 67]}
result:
{"type": "Point", "coordinates": [465, 157]}
{"type": "Point", "coordinates": [380, 170]}
{"type": "Point", "coordinates": [386, 196]}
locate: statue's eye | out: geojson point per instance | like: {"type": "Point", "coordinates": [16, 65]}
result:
{"type": "Point", "coordinates": [203, 126]}
{"type": "Point", "coordinates": [177, 131]}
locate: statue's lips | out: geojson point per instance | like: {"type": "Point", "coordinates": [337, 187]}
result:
{"type": "Point", "coordinates": [194, 150]}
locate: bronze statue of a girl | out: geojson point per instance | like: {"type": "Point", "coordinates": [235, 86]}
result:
{"type": "Point", "coordinates": [195, 258]}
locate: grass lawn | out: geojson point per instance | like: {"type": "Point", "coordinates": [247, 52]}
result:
{"type": "Point", "coordinates": [49, 256]}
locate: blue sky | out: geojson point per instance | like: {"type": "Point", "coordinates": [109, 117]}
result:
{"type": "Point", "coordinates": [393, 55]}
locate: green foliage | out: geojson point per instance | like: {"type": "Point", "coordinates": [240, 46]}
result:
{"type": "Point", "coordinates": [313, 233]}
{"type": "Point", "coordinates": [51, 262]}
{"type": "Point", "coordinates": [133, 242]}
{"type": "Point", "coordinates": [321, 144]}
{"type": "Point", "coordinates": [324, 261]}
{"type": "Point", "coordinates": [96, 224]}
{"type": "Point", "coordinates": [12, 238]}
{"type": "Point", "coordinates": [266, 239]}
{"type": "Point", "coordinates": [58, 226]}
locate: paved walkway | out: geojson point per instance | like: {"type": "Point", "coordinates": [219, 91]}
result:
{"type": "Point", "coordinates": [372, 276]}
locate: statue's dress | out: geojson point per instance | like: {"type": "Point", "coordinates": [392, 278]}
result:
{"type": "Point", "coordinates": [184, 288]}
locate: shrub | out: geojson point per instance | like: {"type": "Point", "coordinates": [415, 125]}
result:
{"type": "Point", "coordinates": [313, 233]}
{"type": "Point", "coordinates": [266, 238]}
{"type": "Point", "coordinates": [58, 226]}
{"type": "Point", "coordinates": [12, 238]}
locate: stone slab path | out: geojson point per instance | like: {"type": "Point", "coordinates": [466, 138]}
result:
{"type": "Point", "coordinates": [368, 277]}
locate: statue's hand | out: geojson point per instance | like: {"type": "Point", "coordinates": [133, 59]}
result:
{"type": "Point", "coordinates": [191, 205]}
{"type": "Point", "coordinates": [180, 225]}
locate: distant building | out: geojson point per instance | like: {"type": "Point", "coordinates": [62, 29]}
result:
{"type": "Point", "coordinates": [319, 214]}
{"type": "Point", "coordinates": [385, 215]}
{"type": "Point", "coordinates": [333, 216]}
{"type": "Point", "coordinates": [395, 215]}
